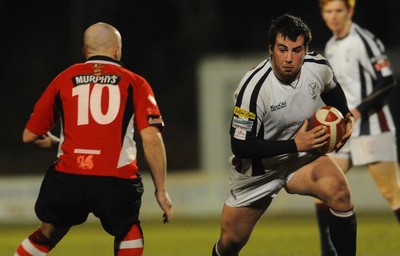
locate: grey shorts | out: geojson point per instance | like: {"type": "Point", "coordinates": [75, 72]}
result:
{"type": "Point", "coordinates": [364, 150]}
{"type": "Point", "coordinates": [245, 189]}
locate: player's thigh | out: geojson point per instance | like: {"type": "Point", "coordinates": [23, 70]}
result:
{"type": "Point", "coordinates": [237, 223]}
{"type": "Point", "coordinates": [343, 157]}
{"type": "Point", "coordinates": [344, 164]}
{"type": "Point", "coordinates": [116, 202]}
{"type": "Point", "coordinates": [320, 178]}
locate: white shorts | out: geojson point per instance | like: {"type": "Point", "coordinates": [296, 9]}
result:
{"type": "Point", "coordinates": [245, 189]}
{"type": "Point", "coordinates": [369, 149]}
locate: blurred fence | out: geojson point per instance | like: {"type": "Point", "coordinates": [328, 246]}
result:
{"type": "Point", "coordinates": [196, 194]}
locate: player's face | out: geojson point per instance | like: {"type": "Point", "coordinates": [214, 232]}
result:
{"type": "Point", "coordinates": [287, 57]}
{"type": "Point", "coordinates": [337, 17]}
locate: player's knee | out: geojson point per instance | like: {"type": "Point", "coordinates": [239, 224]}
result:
{"type": "Point", "coordinates": [131, 244]}
{"type": "Point", "coordinates": [229, 245]}
{"type": "Point", "coordinates": [340, 198]}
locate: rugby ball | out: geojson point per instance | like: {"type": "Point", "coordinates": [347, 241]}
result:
{"type": "Point", "coordinates": [333, 120]}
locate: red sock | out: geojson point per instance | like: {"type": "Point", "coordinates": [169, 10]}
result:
{"type": "Point", "coordinates": [35, 245]}
{"type": "Point", "coordinates": [132, 243]}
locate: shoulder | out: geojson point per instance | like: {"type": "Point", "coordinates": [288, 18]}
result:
{"type": "Point", "coordinates": [317, 66]}
{"type": "Point", "coordinates": [361, 32]}
{"type": "Point", "coordinates": [365, 39]}
{"type": "Point", "coordinates": [262, 67]}
{"type": "Point", "coordinates": [258, 73]}
{"type": "Point", "coordinates": [315, 59]}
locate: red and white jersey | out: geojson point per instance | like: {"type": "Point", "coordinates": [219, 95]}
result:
{"type": "Point", "coordinates": [99, 104]}
{"type": "Point", "coordinates": [361, 66]}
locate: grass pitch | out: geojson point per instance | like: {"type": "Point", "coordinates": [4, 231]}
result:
{"type": "Point", "coordinates": [378, 234]}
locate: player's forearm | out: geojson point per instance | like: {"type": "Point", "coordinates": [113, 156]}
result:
{"type": "Point", "coordinates": [378, 96]}
{"type": "Point", "coordinates": [258, 148]}
{"type": "Point", "coordinates": [154, 152]}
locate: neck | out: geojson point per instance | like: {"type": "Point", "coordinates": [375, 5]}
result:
{"type": "Point", "coordinates": [344, 31]}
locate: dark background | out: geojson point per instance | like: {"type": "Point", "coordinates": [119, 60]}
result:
{"type": "Point", "coordinates": [163, 40]}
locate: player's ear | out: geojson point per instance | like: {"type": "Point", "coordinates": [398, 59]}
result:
{"type": "Point", "coordinates": [351, 12]}
{"type": "Point", "coordinates": [84, 52]}
{"type": "Point", "coordinates": [270, 49]}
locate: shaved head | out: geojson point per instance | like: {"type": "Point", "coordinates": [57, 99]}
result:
{"type": "Point", "coordinates": [102, 39]}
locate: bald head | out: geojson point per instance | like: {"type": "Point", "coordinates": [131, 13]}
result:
{"type": "Point", "coordinates": [102, 39]}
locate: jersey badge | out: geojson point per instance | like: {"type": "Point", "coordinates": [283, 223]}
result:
{"type": "Point", "coordinates": [85, 162]}
{"type": "Point", "coordinates": [97, 69]}
{"type": "Point", "coordinates": [244, 113]}
{"type": "Point", "coordinates": [242, 124]}
{"type": "Point", "coordinates": [313, 88]}
{"type": "Point", "coordinates": [155, 120]}
{"type": "Point", "coordinates": [380, 65]}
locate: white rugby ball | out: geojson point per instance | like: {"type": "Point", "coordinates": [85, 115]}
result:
{"type": "Point", "coordinates": [333, 120]}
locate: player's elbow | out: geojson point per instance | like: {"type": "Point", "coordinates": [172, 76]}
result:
{"type": "Point", "coordinates": [28, 136]}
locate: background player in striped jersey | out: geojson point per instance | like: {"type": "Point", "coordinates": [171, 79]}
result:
{"type": "Point", "coordinates": [99, 104]}
{"type": "Point", "coordinates": [362, 68]}
{"type": "Point", "coordinates": [272, 147]}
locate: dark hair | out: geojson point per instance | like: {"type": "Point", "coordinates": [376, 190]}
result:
{"type": "Point", "coordinates": [349, 3]}
{"type": "Point", "coordinates": [290, 27]}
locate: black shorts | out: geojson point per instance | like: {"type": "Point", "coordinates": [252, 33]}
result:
{"type": "Point", "coordinates": [66, 200]}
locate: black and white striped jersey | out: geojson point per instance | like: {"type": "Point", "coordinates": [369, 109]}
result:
{"type": "Point", "coordinates": [363, 70]}
{"type": "Point", "coordinates": [270, 110]}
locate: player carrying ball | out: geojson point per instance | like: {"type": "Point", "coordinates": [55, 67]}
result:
{"type": "Point", "coordinates": [272, 147]}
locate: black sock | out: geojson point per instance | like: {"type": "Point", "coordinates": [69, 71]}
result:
{"type": "Point", "coordinates": [343, 230]}
{"type": "Point", "coordinates": [214, 251]}
{"type": "Point", "coordinates": [323, 213]}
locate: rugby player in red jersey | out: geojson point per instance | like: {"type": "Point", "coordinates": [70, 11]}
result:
{"type": "Point", "coordinates": [99, 105]}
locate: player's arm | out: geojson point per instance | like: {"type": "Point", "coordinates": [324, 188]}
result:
{"type": "Point", "coordinates": [304, 140]}
{"type": "Point", "coordinates": [381, 91]}
{"type": "Point", "coordinates": [259, 148]}
{"type": "Point", "coordinates": [154, 153]}
{"type": "Point", "coordinates": [336, 98]}
{"type": "Point", "coordinates": [47, 140]}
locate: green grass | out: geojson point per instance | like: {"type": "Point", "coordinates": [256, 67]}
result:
{"type": "Point", "coordinates": [378, 235]}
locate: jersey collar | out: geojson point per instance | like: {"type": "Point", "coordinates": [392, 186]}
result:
{"type": "Point", "coordinates": [103, 59]}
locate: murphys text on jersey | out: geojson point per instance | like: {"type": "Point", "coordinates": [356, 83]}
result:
{"type": "Point", "coordinates": [96, 79]}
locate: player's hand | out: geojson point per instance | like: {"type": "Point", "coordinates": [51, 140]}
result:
{"type": "Point", "coordinates": [165, 203]}
{"type": "Point", "coordinates": [46, 141]}
{"type": "Point", "coordinates": [349, 120]}
{"type": "Point", "coordinates": [312, 139]}
{"type": "Point", "coordinates": [356, 114]}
